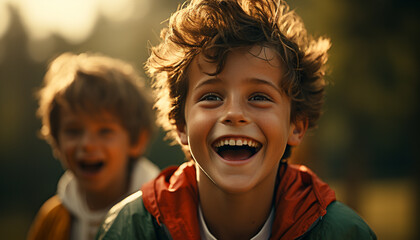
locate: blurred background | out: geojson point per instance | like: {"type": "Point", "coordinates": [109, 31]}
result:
{"type": "Point", "coordinates": [367, 143]}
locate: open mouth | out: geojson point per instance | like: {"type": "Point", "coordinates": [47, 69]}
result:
{"type": "Point", "coordinates": [91, 167]}
{"type": "Point", "coordinates": [236, 149]}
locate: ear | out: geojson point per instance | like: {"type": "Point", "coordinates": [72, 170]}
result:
{"type": "Point", "coordinates": [297, 131]}
{"type": "Point", "coordinates": [139, 147]}
{"type": "Point", "coordinates": [182, 134]}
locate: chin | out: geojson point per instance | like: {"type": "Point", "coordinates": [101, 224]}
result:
{"type": "Point", "coordinates": [234, 185]}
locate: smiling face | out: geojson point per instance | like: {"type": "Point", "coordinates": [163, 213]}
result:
{"type": "Point", "coordinates": [96, 148]}
{"type": "Point", "coordinates": [238, 122]}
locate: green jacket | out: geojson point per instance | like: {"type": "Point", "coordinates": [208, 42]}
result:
{"type": "Point", "coordinates": [305, 209]}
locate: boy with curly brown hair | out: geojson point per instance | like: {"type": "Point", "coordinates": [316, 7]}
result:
{"type": "Point", "coordinates": [238, 83]}
{"type": "Point", "coordinates": [97, 116]}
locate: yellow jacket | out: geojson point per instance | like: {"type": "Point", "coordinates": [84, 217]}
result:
{"type": "Point", "coordinates": [53, 221]}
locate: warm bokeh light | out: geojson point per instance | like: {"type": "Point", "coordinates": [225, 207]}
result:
{"type": "Point", "coordinates": [72, 20]}
{"type": "Point", "coordinates": [4, 18]}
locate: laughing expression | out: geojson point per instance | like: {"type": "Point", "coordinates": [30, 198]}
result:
{"type": "Point", "coordinates": [96, 148]}
{"type": "Point", "coordinates": [237, 123]}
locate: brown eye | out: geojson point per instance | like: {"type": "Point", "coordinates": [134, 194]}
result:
{"type": "Point", "coordinates": [259, 97]}
{"type": "Point", "coordinates": [105, 131]}
{"type": "Point", "coordinates": [211, 97]}
{"type": "Point", "coordinates": [72, 132]}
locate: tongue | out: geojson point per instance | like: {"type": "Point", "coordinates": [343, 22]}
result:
{"type": "Point", "coordinates": [235, 155]}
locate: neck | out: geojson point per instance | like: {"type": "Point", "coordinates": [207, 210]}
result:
{"type": "Point", "coordinates": [236, 215]}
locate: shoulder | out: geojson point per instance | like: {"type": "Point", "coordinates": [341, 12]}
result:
{"type": "Point", "coordinates": [52, 210]}
{"type": "Point", "coordinates": [52, 218]}
{"type": "Point", "coordinates": [52, 205]}
{"type": "Point", "coordinates": [129, 219]}
{"type": "Point", "coordinates": [341, 222]}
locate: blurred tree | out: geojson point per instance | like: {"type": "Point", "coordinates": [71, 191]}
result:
{"type": "Point", "coordinates": [370, 127]}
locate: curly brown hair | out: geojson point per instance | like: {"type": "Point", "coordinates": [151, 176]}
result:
{"type": "Point", "coordinates": [214, 28]}
{"type": "Point", "coordinates": [93, 83]}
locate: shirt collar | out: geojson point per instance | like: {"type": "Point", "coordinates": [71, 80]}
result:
{"type": "Point", "coordinates": [263, 234]}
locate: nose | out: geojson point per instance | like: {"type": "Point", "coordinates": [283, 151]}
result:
{"type": "Point", "coordinates": [88, 141]}
{"type": "Point", "coordinates": [235, 113]}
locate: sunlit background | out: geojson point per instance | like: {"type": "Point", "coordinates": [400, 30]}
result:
{"type": "Point", "coordinates": [366, 145]}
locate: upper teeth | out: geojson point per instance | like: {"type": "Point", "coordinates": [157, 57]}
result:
{"type": "Point", "coordinates": [236, 142]}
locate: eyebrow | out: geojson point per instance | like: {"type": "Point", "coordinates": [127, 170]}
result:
{"type": "Point", "coordinates": [209, 81]}
{"type": "Point", "coordinates": [263, 82]}
{"type": "Point", "coordinates": [215, 80]}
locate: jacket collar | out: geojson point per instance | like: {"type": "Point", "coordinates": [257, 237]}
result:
{"type": "Point", "coordinates": [301, 198]}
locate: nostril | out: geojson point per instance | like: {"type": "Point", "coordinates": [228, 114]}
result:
{"type": "Point", "coordinates": [235, 121]}
{"type": "Point", "coordinates": [234, 116]}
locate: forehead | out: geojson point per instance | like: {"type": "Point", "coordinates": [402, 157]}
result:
{"type": "Point", "coordinates": [81, 115]}
{"type": "Point", "coordinates": [256, 62]}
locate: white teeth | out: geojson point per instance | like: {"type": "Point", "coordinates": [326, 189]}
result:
{"type": "Point", "coordinates": [236, 142]}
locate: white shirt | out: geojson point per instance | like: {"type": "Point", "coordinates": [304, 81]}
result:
{"type": "Point", "coordinates": [263, 234]}
{"type": "Point", "coordinates": [87, 222]}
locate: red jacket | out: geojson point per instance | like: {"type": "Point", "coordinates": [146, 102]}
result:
{"type": "Point", "coordinates": [301, 198]}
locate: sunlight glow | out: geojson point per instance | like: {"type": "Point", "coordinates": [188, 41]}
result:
{"type": "Point", "coordinates": [120, 10]}
{"type": "Point", "coordinates": [73, 20]}
{"type": "Point", "coordinates": [4, 17]}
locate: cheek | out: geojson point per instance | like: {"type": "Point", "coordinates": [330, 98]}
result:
{"type": "Point", "coordinates": [199, 123]}
{"type": "Point", "coordinates": [119, 148]}
{"type": "Point", "coordinates": [66, 147]}
{"type": "Point", "coordinates": [199, 126]}
{"type": "Point", "coordinates": [276, 125]}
